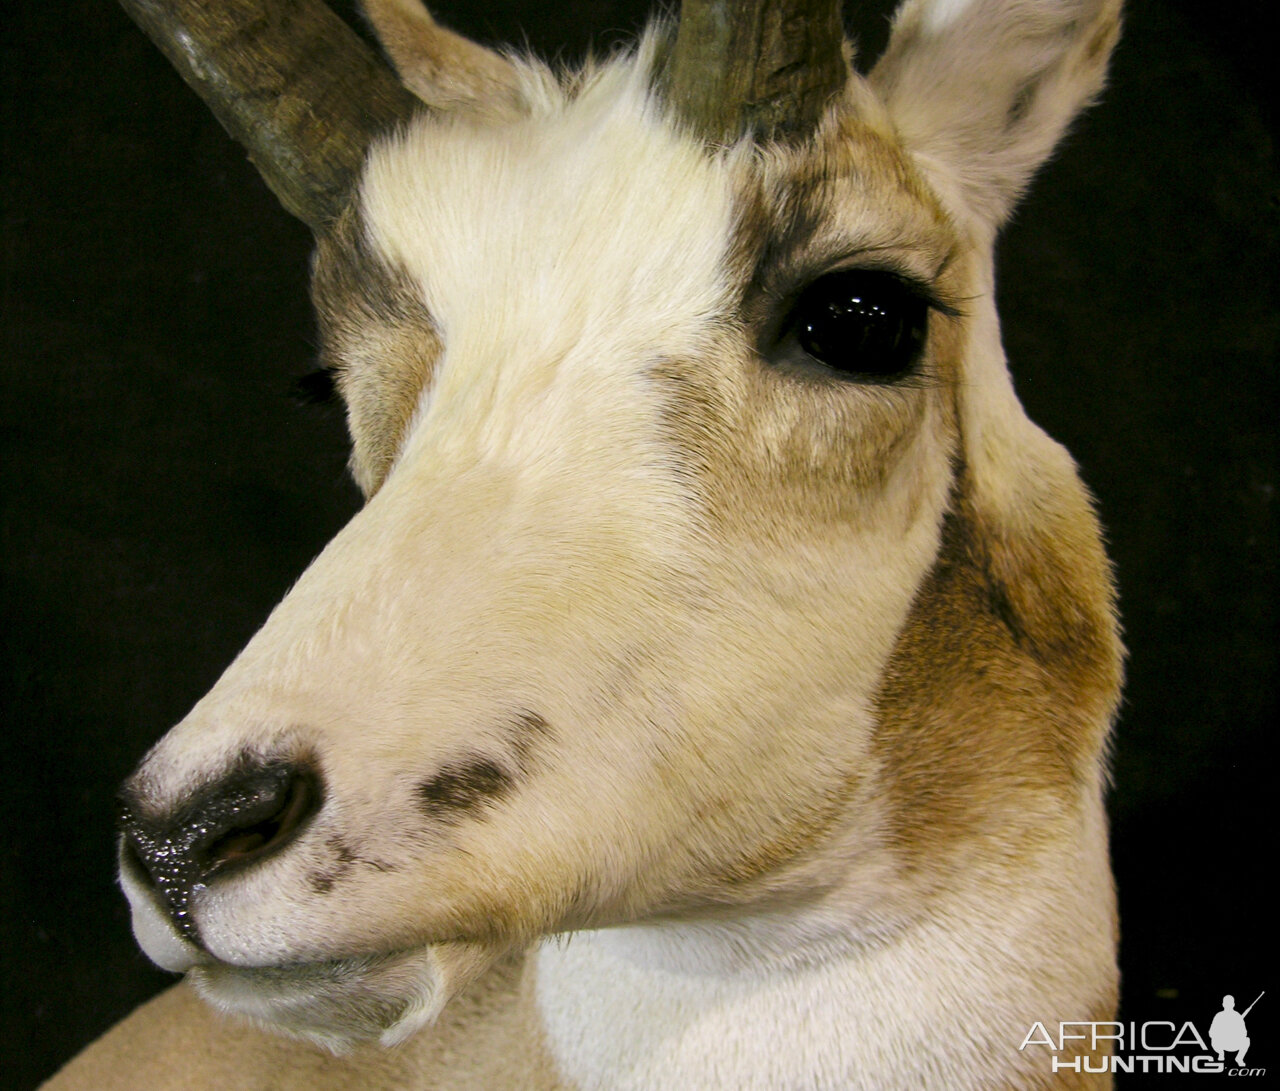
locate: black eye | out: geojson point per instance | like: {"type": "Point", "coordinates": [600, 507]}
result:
{"type": "Point", "coordinates": [863, 323]}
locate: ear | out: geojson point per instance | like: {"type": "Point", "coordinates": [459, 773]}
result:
{"type": "Point", "coordinates": [981, 90]}
{"type": "Point", "coordinates": [444, 69]}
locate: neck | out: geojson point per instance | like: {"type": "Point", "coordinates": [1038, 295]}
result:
{"type": "Point", "coordinates": [806, 1000]}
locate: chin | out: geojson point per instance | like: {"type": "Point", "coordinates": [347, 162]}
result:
{"type": "Point", "coordinates": [336, 1003]}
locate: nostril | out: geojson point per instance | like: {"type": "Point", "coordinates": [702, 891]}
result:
{"type": "Point", "coordinates": [250, 813]}
{"type": "Point", "coordinates": [289, 801]}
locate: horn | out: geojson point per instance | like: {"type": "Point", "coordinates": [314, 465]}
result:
{"type": "Point", "coordinates": [289, 81]}
{"type": "Point", "coordinates": [767, 67]}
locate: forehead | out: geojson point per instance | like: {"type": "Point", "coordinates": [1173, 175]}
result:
{"type": "Point", "coordinates": [599, 195]}
{"type": "Point", "coordinates": [582, 249]}
{"type": "Point", "coordinates": [554, 219]}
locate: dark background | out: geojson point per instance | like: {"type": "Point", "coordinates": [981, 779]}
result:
{"type": "Point", "coordinates": [161, 488]}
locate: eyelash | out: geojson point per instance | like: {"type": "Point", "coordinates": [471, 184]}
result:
{"type": "Point", "coordinates": [858, 324]}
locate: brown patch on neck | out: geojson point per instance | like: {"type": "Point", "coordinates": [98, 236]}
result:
{"type": "Point", "coordinates": [997, 700]}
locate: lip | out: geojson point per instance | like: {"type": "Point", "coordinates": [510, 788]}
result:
{"type": "Point", "coordinates": [335, 1003]}
{"type": "Point", "coordinates": [172, 949]}
{"type": "Point", "coordinates": [338, 1003]}
{"type": "Point", "coordinates": [153, 928]}
{"type": "Point", "coordinates": [286, 978]}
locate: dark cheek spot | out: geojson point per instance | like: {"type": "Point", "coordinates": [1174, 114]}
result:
{"type": "Point", "coordinates": [345, 861]}
{"type": "Point", "coordinates": [530, 730]}
{"type": "Point", "coordinates": [341, 851]}
{"type": "Point", "coordinates": [464, 788]}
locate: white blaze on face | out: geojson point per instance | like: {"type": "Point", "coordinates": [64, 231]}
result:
{"type": "Point", "coordinates": [561, 257]}
{"type": "Point", "coordinates": [517, 548]}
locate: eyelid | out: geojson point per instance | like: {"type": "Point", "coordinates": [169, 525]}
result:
{"type": "Point", "coordinates": [921, 267]}
{"type": "Point", "coordinates": [785, 352]}
{"type": "Point", "coordinates": [931, 294]}
{"type": "Point", "coordinates": [921, 285]}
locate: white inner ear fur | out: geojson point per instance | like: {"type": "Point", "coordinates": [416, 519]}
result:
{"type": "Point", "coordinates": [981, 91]}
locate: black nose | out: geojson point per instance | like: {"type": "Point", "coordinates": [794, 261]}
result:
{"type": "Point", "coordinates": [247, 815]}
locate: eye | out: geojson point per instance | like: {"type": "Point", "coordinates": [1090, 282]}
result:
{"type": "Point", "coordinates": [866, 324]}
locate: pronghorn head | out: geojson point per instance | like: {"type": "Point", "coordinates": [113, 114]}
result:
{"type": "Point", "coordinates": [709, 564]}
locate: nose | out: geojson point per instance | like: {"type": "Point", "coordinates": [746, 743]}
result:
{"type": "Point", "coordinates": [247, 815]}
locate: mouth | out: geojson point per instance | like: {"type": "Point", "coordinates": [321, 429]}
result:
{"type": "Point", "coordinates": [338, 1003]}
{"type": "Point", "coordinates": [335, 1003]}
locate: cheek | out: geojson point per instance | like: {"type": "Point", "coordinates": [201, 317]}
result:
{"type": "Point", "coordinates": [824, 520]}
{"type": "Point", "coordinates": [383, 375]}
{"type": "Point", "coordinates": [373, 440]}
{"type": "Point", "coordinates": [378, 416]}
{"type": "Point", "coordinates": [825, 462]}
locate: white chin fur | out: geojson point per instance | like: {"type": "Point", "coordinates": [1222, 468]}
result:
{"type": "Point", "coordinates": [341, 1003]}
{"type": "Point", "coordinates": [334, 1004]}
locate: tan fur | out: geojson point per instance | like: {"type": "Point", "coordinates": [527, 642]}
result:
{"type": "Point", "coordinates": [445, 70]}
{"type": "Point", "coordinates": [379, 340]}
{"type": "Point", "coordinates": [489, 1039]}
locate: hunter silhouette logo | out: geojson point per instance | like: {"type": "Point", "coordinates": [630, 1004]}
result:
{"type": "Point", "coordinates": [1227, 1032]}
{"type": "Point", "coordinates": [1155, 1046]}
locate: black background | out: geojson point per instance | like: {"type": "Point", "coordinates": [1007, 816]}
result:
{"type": "Point", "coordinates": [161, 489]}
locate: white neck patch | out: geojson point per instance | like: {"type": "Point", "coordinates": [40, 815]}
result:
{"type": "Point", "coordinates": [943, 1003]}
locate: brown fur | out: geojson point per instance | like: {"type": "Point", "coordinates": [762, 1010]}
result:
{"type": "Point", "coordinates": [377, 338]}
{"type": "Point", "coordinates": [993, 699]}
